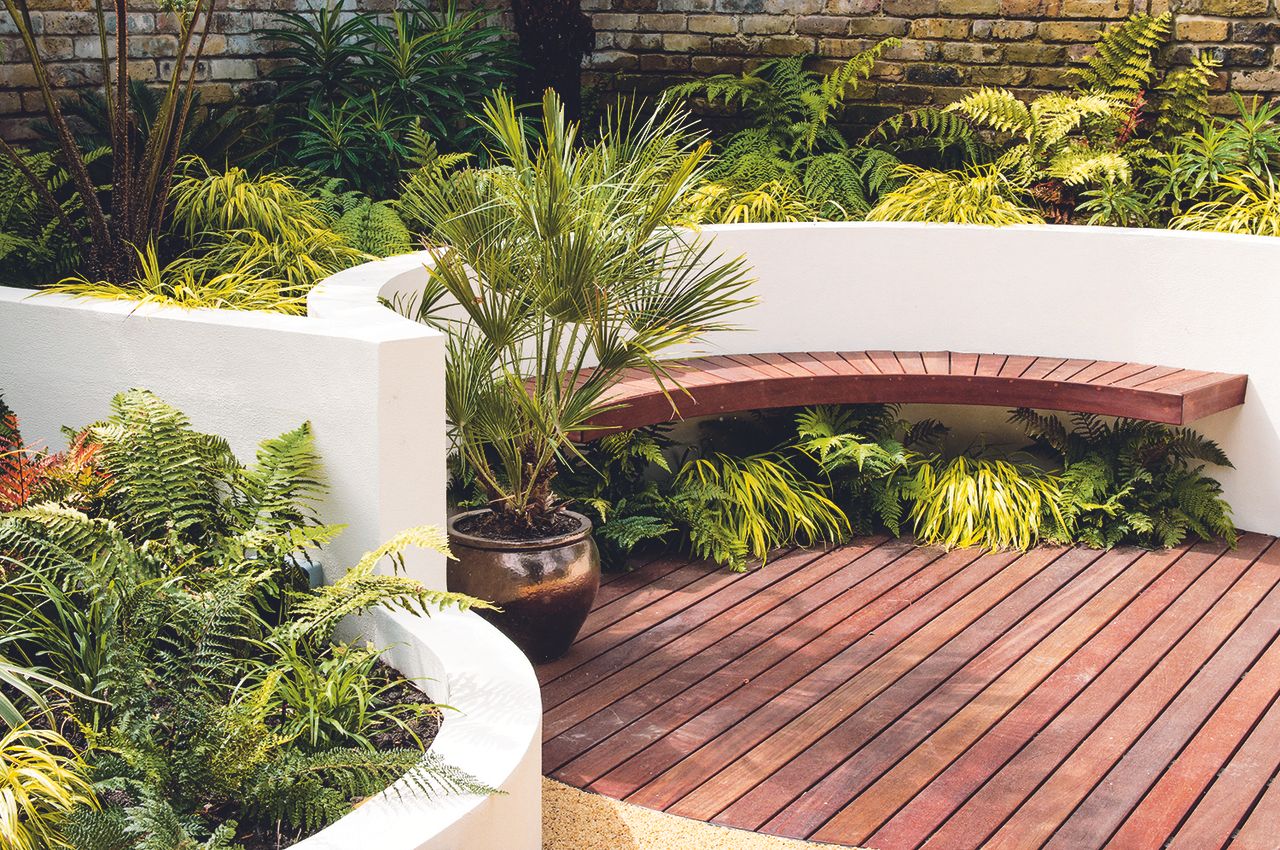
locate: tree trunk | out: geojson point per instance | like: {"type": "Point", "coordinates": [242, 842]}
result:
{"type": "Point", "coordinates": [555, 35]}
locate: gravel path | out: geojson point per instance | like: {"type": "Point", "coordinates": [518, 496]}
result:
{"type": "Point", "coordinates": [577, 820]}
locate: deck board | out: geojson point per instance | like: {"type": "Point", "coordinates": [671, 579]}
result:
{"type": "Point", "coordinates": [888, 696]}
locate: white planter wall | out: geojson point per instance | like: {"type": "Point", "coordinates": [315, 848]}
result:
{"type": "Point", "coordinates": [371, 384]}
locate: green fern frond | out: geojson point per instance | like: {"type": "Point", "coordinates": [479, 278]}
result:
{"type": "Point", "coordinates": [1124, 61]}
{"type": "Point", "coordinates": [998, 109]}
{"type": "Point", "coordinates": [1181, 102]}
{"type": "Point", "coordinates": [317, 613]}
{"type": "Point", "coordinates": [168, 478]}
{"type": "Point", "coordinates": [375, 229]}
{"type": "Point", "coordinates": [1077, 166]}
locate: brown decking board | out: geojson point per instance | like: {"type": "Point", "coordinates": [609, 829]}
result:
{"type": "Point", "coordinates": [893, 697]}
{"type": "Point", "coordinates": [738, 383]}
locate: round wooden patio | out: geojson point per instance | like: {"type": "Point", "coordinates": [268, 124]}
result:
{"type": "Point", "coordinates": [895, 697]}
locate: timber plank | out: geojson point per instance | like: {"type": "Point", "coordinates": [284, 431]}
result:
{"type": "Point", "coordinates": [780, 693]}
{"type": "Point", "coordinates": [1056, 797]}
{"type": "Point", "coordinates": [923, 698]}
{"type": "Point", "coordinates": [887, 588]}
{"type": "Point", "coordinates": [1168, 601]}
{"type": "Point", "coordinates": [722, 384]}
{"type": "Point", "coordinates": [895, 787]}
{"type": "Point", "coordinates": [689, 788]}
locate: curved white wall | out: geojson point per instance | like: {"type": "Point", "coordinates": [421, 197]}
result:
{"type": "Point", "coordinates": [495, 734]}
{"type": "Point", "coordinates": [1199, 301]}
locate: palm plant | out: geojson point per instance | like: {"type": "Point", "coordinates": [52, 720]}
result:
{"type": "Point", "coordinates": [141, 173]}
{"type": "Point", "coordinates": [568, 272]}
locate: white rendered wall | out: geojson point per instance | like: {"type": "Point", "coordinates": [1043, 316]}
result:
{"type": "Point", "coordinates": [373, 394]}
{"type": "Point", "coordinates": [1198, 301]}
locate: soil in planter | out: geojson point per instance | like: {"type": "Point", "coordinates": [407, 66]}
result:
{"type": "Point", "coordinates": [495, 526]}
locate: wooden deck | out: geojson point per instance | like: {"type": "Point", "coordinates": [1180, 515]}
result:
{"type": "Point", "coordinates": [742, 382]}
{"type": "Point", "coordinates": [894, 697]}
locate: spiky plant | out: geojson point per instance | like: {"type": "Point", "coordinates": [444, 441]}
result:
{"type": "Point", "coordinates": [257, 242]}
{"type": "Point", "coordinates": [988, 502]}
{"type": "Point", "coordinates": [981, 195]}
{"type": "Point", "coordinates": [735, 509]}
{"type": "Point", "coordinates": [563, 259]}
{"type": "Point", "coordinates": [1242, 202]}
{"type": "Point", "coordinates": [41, 783]}
{"type": "Point", "coordinates": [771, 201]}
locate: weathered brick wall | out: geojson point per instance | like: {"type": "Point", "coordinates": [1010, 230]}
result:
{"type": "Point", "coordinates": [235, 57]}
{"type": "Point", "coordinates": [948, 46]}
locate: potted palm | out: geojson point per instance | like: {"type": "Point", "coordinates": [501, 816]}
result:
{"type": "Point", "coordinates": [562, 270]}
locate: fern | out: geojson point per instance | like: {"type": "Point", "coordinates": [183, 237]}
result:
{"type": "Point", "coordinates": [173, 613]}
{"type": "Point", "coordinates": [374, 228]}
{"type": "Point", "coordinates": [317, 613]}
{"type": "Point", "coordinates": [36, 245]}
{"type": "Point", "coordinates": [927, 126]}
{"type": "Point", "coordinates": [834, 87]}
{"type": "Point", "coordinates": [1181, 102]}
{"type": "Point", "coordinates": [1124, 62]}
{"type": "Point", "coordinates": [1080, 166]}
{"type": "Point", "coordinates": [789, 164]}
{"type": "Point", "coordinates": [1132, 481]}
{"type": "Point", "coordinates": [168, 479]}
{"type": "Point", "coordinates": [308, 792]}
{"type": "Point", "coordinates": [999, 109]}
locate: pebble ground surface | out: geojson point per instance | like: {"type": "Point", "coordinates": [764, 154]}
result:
{"type": "Point", "coordinates": [578, 820]}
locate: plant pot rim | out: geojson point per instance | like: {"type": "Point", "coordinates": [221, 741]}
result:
{"type": "Point", "coordinates": [475, 541]}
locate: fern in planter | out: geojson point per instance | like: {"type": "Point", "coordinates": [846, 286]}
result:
{"type": "Point", "coordinates": [1131, 481]}
{"type": "Point", "coordinates": [174, 603]}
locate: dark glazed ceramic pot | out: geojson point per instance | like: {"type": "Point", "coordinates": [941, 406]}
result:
{"type": "Point", "coordinates": [545, 587]}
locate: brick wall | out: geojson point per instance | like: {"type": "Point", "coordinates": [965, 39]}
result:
{"type": "Point", "coordinates": [948, 46]}
{"type": "Point", "coordinates": [235, 58]}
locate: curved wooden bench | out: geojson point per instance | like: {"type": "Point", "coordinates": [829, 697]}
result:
{"type": "Point", "coordinates": [742, 382]}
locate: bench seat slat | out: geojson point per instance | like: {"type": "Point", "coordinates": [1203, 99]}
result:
{"type": "Point", "coordinates": [723, 384]}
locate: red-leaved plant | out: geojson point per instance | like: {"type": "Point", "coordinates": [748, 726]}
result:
{"type": "Point", "coordinates": [29, 475]}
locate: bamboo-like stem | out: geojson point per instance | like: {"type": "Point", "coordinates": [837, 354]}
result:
{"type": "Point", "coordinates": [74, 160]}
{"type": "Point", "coordinates": [161, 197]}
